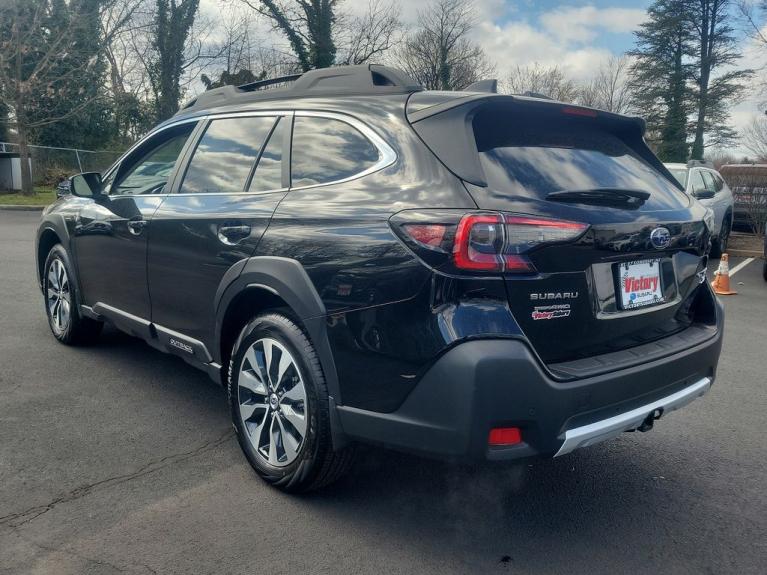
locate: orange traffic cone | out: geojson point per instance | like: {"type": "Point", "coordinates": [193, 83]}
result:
{"type": "Point", "coordinates": [721, 283]}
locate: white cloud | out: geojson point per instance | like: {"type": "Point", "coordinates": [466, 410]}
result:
{"type": "Point", "coordinates": [585, 23]}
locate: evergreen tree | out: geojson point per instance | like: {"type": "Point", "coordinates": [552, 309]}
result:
{"type": "Point", "coordinates": [660, 77]}
{"type": "Point", "coordinates": [717, 85]}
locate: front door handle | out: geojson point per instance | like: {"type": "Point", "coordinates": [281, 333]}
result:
{"type": "Point", "coordinates": [230, 234]}
{"type": "Point", "coordinates": [136, 225]}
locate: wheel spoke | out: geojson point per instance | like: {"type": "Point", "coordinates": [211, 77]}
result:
{"type": "Point", "coordinates": [248, 409]}
{"type": "Point", "coordinates": [267, 344]}
{"type": "Point", "coordinates": [273, 442]}
{"type": "Point", "coordinates": [289, 443]}
{"type": "Point", "coordinates": [285, 362]}
{"type": "Point", "coordinates": [52, 278]}
{"type": "Point", "coordinates": [64, 311]}
{"type": "Point", "coordinates": [295, 418]}
{"type": "Point", "coordinates": [295, 394]}
{"type": "Point", "coordinates": [251, 381]}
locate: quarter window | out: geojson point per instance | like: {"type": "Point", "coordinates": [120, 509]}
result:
{"type": "Point", "coordinates": [326, 150]}
{"type": "Point", "coordinates": [225, 155]}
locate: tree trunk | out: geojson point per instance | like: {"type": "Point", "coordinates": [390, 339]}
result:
{"type": "Point", "coordinates": [27, 188]}
{"type": "Point", "coordinates": [705, 73]}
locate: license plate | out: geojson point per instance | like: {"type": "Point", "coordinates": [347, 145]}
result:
{"type": "Point", "coordinates": [640, 283]}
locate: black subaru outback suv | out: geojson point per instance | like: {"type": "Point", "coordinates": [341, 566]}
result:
{"type": "Point", "coordinates": [460, 274]}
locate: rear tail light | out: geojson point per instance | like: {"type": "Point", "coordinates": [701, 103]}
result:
{"type": "Point", "coordinates": [485, 241]}
{"type": "Point", "coordinates": [498, 242]}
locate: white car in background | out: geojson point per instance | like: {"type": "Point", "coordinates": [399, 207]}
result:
{"type": "Point", "coordinates": [708, 186]}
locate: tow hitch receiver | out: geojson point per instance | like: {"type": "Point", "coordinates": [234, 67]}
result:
{"type": "Point", "coordinates": [651, 419]}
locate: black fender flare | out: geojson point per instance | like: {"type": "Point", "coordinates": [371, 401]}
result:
{"type": "Point", "coordinates": [287, 279]}
{"type": "Point", "coordinates": [56, 224]}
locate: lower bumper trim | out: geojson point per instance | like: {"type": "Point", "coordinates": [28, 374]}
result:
{"type": "Point", "coordinates": [614, 426]}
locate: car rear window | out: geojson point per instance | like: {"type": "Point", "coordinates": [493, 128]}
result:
{"type": "Point", "coordinates": [529, 158]}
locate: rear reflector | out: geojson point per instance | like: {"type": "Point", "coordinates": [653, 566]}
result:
{"type": "Point", "coordinates": [429, 235]}
{"type": "Point", "coordinates": [505, 436]}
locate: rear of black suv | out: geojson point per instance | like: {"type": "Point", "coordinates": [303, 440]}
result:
{"type": "Point", "coordinates": [459, 274]}
{"type": "Point", "coordinates": [572, 301]}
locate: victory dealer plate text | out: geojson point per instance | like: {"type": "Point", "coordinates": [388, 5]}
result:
{"type": "Point", "coordinates": [640, 284]}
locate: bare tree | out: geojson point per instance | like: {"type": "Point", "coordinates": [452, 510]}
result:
{"type": "Point", "coordinates": [754, 137]}
{"type": "Point", "coordinates": [307, 24]}
{"type": "Point", "coordinates": [439, 54]}
{"type": "Point", "coordinates": [609, 89]}
{"type": "Point", "coordinates": [537, 79]}
{"type": "Point", "coordinates": [37, 60]}
{"type": "Point", "coordinates": [363, 38]}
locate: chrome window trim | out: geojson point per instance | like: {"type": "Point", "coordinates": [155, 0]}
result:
{"type": "Point", "coordinates": [387, 155]}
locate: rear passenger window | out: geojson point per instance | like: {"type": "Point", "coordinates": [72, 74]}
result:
{"type": "Point", "coordinates": [268, 175]}
{"type": "Point", "coordinates": [326, 150]}
{"type": "Point", "coordinates": [225, 155]}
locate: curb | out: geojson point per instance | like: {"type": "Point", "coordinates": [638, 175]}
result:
{"type": "Point", "coordinates": [15, 208]}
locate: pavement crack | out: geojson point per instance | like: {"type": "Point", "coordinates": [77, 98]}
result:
{"type": "Point", "coordinates": [18, 519]}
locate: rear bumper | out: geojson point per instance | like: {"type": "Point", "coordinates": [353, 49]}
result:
{"type": "Point", "coordinates": [482, 384]}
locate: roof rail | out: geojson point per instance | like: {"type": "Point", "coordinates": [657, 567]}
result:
{"type": "Point", "coordinates": [490, 86]}
{"type": "Point", "coordinates": [251, 86]}
{"type": "Point", "coordinates": [340, 80]}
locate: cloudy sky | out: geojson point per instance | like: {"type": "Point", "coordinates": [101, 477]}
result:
{"type": "Point", "coordinates": [575, 35]}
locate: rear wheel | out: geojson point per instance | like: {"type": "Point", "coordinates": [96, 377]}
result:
{"type": "Point", "coordinates": [719, 245]}
{"type": "Point", "coordinates": [61, 302]}
{"type": "Point", "coordinates": [280, 408]}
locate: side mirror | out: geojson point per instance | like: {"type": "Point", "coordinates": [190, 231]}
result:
{"type": "Point", "coordinates": [703, 194]}
{"type": "Point", "coordinates": [86, 185]}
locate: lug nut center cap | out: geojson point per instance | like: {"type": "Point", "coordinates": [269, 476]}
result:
{"type": "Point", "coordinates": [274, 401]}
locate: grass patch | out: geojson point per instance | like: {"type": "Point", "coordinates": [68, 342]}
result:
{"type": "Point", "coordinates": [42, 197]}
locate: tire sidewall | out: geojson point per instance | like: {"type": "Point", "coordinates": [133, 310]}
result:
{"type": "Point", "coordinates": [273, 326]}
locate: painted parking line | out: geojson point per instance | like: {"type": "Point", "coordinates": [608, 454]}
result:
{"type": "Point", "coordinates": [740, 266]}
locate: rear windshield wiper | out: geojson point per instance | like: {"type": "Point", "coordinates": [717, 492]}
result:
{"type": "Point", "coordinates": [615, 197]}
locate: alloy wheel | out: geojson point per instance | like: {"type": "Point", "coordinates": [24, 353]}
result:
{"type": "Point", "coordinates": [272, 402]}
{"type": "Point", "coordinates": [59, 296]}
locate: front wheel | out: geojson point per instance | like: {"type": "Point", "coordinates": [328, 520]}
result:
{"type": "Point", "coordinates": [279, 405]}
{"type": "Point", "coordinates": [61, 302]}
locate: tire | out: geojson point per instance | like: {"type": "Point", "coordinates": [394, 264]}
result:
{"type": "Point", "coordinates": [719, 245]}
{"type": "Point", "coordinates": [281, 414]}
{"type": "Point", "coordinates": [61, 302]}
{"type": "Point", "coordinates": [764, 271]}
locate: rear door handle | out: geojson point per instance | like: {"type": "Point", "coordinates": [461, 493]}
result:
{"type": "Point", "coordinates": [136, 226]}
{"type": "Point", "coordinates": [230, 234]}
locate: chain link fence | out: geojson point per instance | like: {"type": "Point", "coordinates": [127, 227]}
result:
{"type": "Point", "coordinates": [50, 164]}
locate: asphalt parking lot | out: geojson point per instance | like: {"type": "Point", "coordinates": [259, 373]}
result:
{"type": "Point", "coordinates": [117, 458]}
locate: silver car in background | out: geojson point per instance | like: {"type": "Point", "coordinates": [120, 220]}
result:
{"type": "Point", "coordinates": [707, 185]}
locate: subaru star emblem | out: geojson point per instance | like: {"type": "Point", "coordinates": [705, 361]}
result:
{"type": "Point", "coordinates": [660, 238]}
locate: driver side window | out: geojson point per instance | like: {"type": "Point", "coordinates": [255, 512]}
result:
{"type": "Point", "coordinates": [148, 169]}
